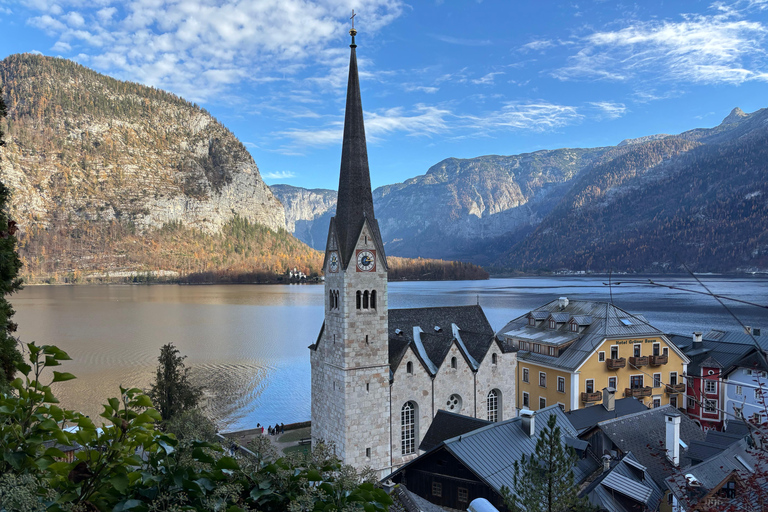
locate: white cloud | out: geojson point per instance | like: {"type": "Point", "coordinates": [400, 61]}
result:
{"type": "Point", "coordinates": [278, 175]}
{"type": "Point", "coordinates": [534, 116]}
{"type": "Point", "coordinates": [487, 79]}
{"type": "Point", "coordinates": [420, 88]}
{"type": "Point", "coordinates": [538, 45]}
{"type": "Point", "coordinates": [610, 109]}
{"type": "Point", "coordinates": [705, 49]}
{"type": "Point", "coordinates": [462, 42]}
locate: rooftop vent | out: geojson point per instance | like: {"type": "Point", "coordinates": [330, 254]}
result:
{"type": "Point", "coordinates": [756, 331]}
{"type": "Point", "coordinates": [747, 329]}
{"type": "Point", "coordinates": [562, 302]}
{"type": "Point", "coordinates": [696, 337]}
{"type": "Point", "coordinates": [398, 332]}
{"type": "Point", "coordinates": [528, 422]}
{"type": "Point", "coordinates": [438, 329]}
{"type": "Point", "coordinates": [692, 480]}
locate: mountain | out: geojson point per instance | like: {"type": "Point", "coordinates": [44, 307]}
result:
{"type": "Point", "coordinates": [100, 168]}
{"type": "Point", "coordinates": [308, 212]}
{"type": "Point", "coordinates": [697, 199]}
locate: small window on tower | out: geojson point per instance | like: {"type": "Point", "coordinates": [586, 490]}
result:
{"type": "Point", "coordinates": [453, 363]}
{"type": "Point", "coordinates": [365, 299]}
{"type": "Point", "coordinates": [359, 296]}
{"type": "Point", "coordinates": [373, 299]}
{"type": "Point", "coordinates": [409, 367]}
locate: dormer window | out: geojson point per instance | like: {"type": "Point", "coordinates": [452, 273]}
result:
{"type": "Point", "coordinates": [552, 323]}
{"type": "Point", "coordinates": [574, 327]}
{"type": "Point", "coordinates": [531, 321]}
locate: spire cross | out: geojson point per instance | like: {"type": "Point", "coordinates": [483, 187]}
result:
{"type": "Point", "coordinates": [353, 18]}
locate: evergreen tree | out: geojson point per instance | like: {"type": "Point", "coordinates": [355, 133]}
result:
{"type": "Point", "coordinates": [544, 482]}
{"type": "Point", "coordinates": [172, 393]}
{"type": "Point", "coordinates": [9, 280]}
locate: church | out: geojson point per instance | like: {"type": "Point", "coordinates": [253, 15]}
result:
{"type": "Point", "coordinates": [380, 375]}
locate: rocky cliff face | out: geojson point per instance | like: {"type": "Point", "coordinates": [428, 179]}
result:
{"type": "Point", "coordinates": [307, 212]}
{"type": "Point", "coordinates": [83, 148]}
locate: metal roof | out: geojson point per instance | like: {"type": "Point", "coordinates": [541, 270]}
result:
{"type": "Point", "coordinates": [627, 477]}
{"type": "Point", "coordinates": [446, 425]}
{"type": "Point", "coordinates": [627, 487]}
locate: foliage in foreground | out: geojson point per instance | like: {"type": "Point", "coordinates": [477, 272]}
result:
{"type": "Point", "coordinates": [131, 465]}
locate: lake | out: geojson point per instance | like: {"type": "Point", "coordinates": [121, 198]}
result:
{"type": "Point", "coordinates": [247, 344]}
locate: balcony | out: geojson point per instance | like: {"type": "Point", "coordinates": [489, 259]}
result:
{"type": "Point", "coordinates": [638, 392]}
{"type": "Point", "coordinates": [638, 361]}
{"type": "Point", "coordinates": [658, 360]}
{"type": "Point", "coordinates": [675, 388]}
{"type": "Point", "coordinates": [591, 397]}
{"type": "Point", "coordinates": [615, 364]}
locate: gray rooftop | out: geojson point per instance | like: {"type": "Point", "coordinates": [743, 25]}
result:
{"type": "Point", "coordinates": [446, 425]}
{"type": "Point", "coordinates": [587, 417]}
{"type": "Point", "coordinates": [607, 321]}
{"type": "Point", "coordinates": [625, 487]}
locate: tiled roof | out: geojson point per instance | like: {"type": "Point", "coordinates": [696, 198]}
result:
{"type": "Point", "coordinates": [644, 434]}
{"type": "Point", "coordinates": [587, 417]}
{"type": "Point", "coordinates": [446, 425]}
{"type": "Point", "coordinates": [606, 322]}
{"type": "Point", "coordinates": [475, 334]}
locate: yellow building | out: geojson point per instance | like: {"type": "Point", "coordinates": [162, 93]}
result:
{"type": "Point", "coordinates": [569, 350]}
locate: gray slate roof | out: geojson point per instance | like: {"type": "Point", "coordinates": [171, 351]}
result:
{"type": "Point", "coordinates": [490, 452]}
{"type": "Point", "coordinates": [726, 351]}
{"type": "Point", "coordinates": [606, 323]}
{"type": "Point", "coordinates": [644, 434]}
{"type": "Point", "coordinates": [475, 334]}
{"type": "Point", "coordinates": [626, 484]}
{"type": "Point", "coordinates": [587, 417]}
{"type": "Point", "coordinates": [446, 425]}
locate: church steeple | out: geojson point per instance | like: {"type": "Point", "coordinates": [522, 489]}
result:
{"type": "Point", "coordinates": [355, 200]}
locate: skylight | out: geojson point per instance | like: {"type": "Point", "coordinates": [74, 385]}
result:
{"type": "Point", "coordinates": [625, 321]}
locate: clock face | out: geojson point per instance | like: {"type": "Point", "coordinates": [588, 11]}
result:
{"type": "Point", "coordinates": [366, 260]}
{"type": "Point", "coordinates": [333, 265]}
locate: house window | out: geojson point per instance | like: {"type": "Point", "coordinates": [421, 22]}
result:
{"type": "Point", "coordinates": [739, 391]}
{"type": "Point", "coordinates": [494, 359]}
{"type": "Point", "coordinates": [710, 386]}
{"type": "Point", "coordinates": [589, 386]}
{"type": "Point", "coordinates": [463, 495]}
{"type": "Point", "coordinates": [728, 491]}
{"type": "Point", "coordinates": [657, 380]}
{"type": "Point", "coordinates": [542, 379]}
{"type": "Point", "coordinates": [526, 400]}
{"type": "Point", "coordinates": [437, 489]}
{"type": "Point", "coordinates": [409, 367]}
{"type": "Point", "coordinates": [691, 402]}
{"type": "Point", "coordinates": [493, 405]}
{"type": "Point", "coordinates": [612, 382]}
{"type": "Point", "coordinates": [525, 375]}
{"type": "Point", "coordinates": [756, 417]}
{"type": "Point", "coordinates": [614, 351]}
{"type": "Point", "coordinates": [553, 351]}
{"type": "Point", "coordinates": [601, 357]}
{"type": "Point", "coordinates": [636, 381]}
{"type": "Point", "coordinates": [673, 400]}
{"type": "Point", "coordinates": [709, 405]}
{"type": "Point", "coordinates": [537, 348]}
{"type": "Point", "coordinates": [665, 351]}
{"type": "Point", "coordinates": [637, 350]}
{"type": "Point", "coordinates": [656, 348]}
{"type": "Point", "coordinates": [408, 428]}
{"type": "Point", "coordinates": [561, 384]}
{"type": "Point", "coordinates": [531, 321]}
{"type": "Point", "coordinates": [656, 402]}
{"type": "Point", "coordinates": [758, 394]}
{"type": "Point", "coordinates": [542, 402]}
{"type": "Point", "coordinates": [672, 378]}
{"type": "Point", "coordinates": [574, 327]}
{"type": "Point", "coordinates": [551, 323]}
{"type": "Point", "coordinates": [453, 363]}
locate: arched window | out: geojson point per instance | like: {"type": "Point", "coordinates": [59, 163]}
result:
{"type": "Point", "coordinates": [359, 299]}
{"type": "Point", "coordinates": [365, 299]}
{"type": "Point", "coordinates": [373, 299]}
{"type": "Point", "coordinates": [409, 367]}
{"type": "Point", "coordinates": [494, 359]}
{"type": "Point", "coordinates": [408, 415]}
{"type": "Point", "coordinates": [454, 363]}
{"type": "Point", "coordinates": [494, 405]}
{"type": "Point", "coordinates": [330, 299]}
{"type": "Point", "coordinates": [336, 298]}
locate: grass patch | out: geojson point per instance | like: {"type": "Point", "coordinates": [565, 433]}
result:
{"type": "Point", "coordinates": [304, 449]}
{"type": "Point", "coordinates": [295, 435]}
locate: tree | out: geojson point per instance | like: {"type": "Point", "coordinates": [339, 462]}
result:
{"type": "Point", "coordinates": [9, 280]}
{"type": "Point", "coordinates": [172, 393]}
{"type": "Point", "coordinates": [544, 482]}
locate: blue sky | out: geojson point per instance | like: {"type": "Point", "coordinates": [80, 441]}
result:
{"type": "Point", "coordinates": [449, 78]}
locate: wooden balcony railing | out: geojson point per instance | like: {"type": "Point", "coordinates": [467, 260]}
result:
{"type": "Point", "coordinates": [658, 360]}
{"type": "Point", "coordinates": [615, 364]}
{"type": "Point", "coordinates": [638, 361]}
{"type": "Point", "coordinates": [591, 397]}
{"type": "Point", "coordinates": [675, 388]}
{"type": "Point", "coordinates": [638, 392]}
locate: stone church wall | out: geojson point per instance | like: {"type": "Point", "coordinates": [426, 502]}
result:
{"type": "Point", "coordinates": [459, 381]}
{"type": "Point", "coordinates": [500, 376]}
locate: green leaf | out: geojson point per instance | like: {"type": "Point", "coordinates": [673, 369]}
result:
{"type": "Point", "coordinates": [127, 505]}
{"type": "Point", "coordinates": [199, 455]}
{"type": "Point", "coordinates": [313, 475]}
{"type": "Point", "coordinates": [119, 482]}
{"type": "Point", "coordinates": [143, 401]}
{"type": "Point", "coordinates": [227, 463]}
{"type": "Point", "coordinates": [23, 368]}
{"type": "Point", "coordinates": [62, 376]}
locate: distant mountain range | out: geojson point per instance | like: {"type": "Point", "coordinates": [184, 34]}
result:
{"type": "Point", "coordinates": [648, 204]}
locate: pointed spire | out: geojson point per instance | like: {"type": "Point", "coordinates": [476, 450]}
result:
{"type": "Point", "coordinates": [355, 200]}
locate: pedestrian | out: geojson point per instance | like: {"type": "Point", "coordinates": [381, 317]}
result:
{"type": "Point", "coordinates": [269, 430]}
{"type": "Point", "coordinates": [282, 428]}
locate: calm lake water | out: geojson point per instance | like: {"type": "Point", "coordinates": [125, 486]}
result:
{"type": "Point", "coordinates": [248, 344]}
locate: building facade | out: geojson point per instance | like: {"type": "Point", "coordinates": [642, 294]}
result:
{"type": "Point", "coordinates": [569, 350]}
{"type": "Point", "coordinates": [379, 376]}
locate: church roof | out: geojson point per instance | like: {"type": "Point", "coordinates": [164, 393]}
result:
{"type": "Point", "coordinates": [355, 201]}
{"type": "Point", "coordinates": [447, 425]}
{"type": "Point", "coordinates": [431, 332]}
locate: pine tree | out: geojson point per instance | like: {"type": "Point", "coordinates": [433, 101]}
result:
{"type": "Point", "coordinates": [172, 393]}
{"type": "Point", "coordinates": [9, 280]}
{"type": "Point", "coordinates": [544, 482]}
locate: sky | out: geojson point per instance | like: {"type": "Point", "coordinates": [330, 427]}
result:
{"type": "Point", "coordinates": [439, 78]}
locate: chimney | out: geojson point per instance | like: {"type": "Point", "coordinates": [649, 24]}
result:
{"type": "Point", "coordinates": [697, 340]}
{"type": "Point", "coordinates": [388, 486]}
{"type": "Point", "coordinates": [672, 445]}
{"type": "Point", "coordinates": [606, 462]}
{"type": "Point", "coordinates": [747, 329]}
{"type": "Point", "coordinates": [562, 302]}
{"type": "Point", "coordinates": [609, 398]}
{"type": "Point", "coordinates": [528, 422]}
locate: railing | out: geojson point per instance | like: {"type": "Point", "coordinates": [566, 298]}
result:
{"type": "Point", "coordinates": [675, 388]}
{"type": "Point", "coordinates": [638, 361]}
{"type": "Point", "coordinates": [615, 364]}
{"type": "Point", "coordinates": [591, 397]}
{"type": "Point", "coordinates": [638, 392]}
{"type": "Point", "coordinates": [658, 360]}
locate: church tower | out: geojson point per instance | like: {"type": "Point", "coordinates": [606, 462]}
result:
{"type": "Point", "coordinates": [350, 360]}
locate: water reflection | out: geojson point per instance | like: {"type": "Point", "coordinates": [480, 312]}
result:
{"type": "Point", "coordinates": [248, 344]}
